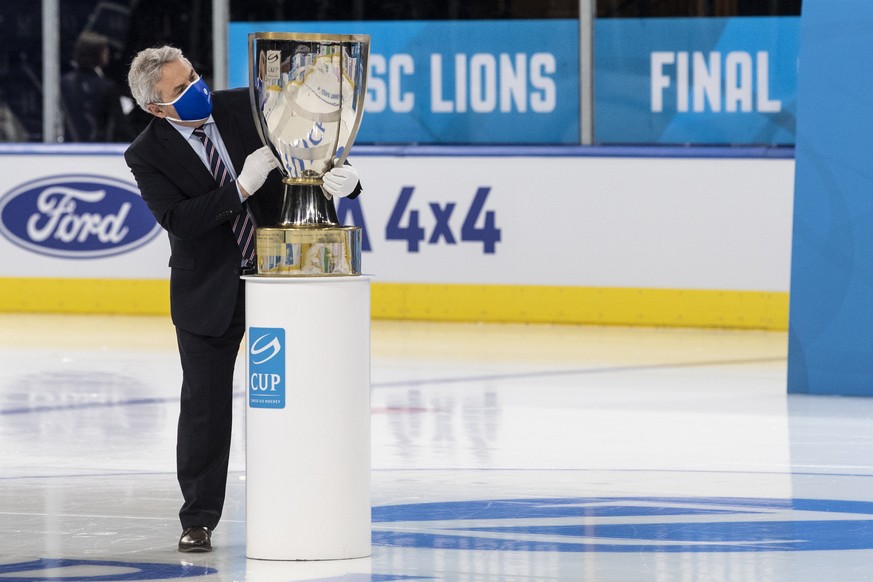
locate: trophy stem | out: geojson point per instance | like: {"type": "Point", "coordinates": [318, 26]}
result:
{"type": "Point", "coordinates": [305, 205]}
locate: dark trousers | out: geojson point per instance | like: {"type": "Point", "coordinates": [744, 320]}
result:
{"type": "Point", "coordinates": [203, 441]}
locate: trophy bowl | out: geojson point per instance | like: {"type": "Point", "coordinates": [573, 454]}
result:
{"type": "Point", "coordinates": [307, 93]}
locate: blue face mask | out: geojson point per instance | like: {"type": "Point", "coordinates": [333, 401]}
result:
{"type": "Point", "coordinates": [194, 104]}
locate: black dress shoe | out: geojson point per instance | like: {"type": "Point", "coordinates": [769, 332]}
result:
{"type": "Point", "coordinates": [196, 539]}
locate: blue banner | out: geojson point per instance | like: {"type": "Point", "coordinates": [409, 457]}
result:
{"type": "Point", "coordinates": [492, 81]}
{"type": "Point", "coordinates": [830, 332]}
{"type": "Point", "coordinates": [696, 80]}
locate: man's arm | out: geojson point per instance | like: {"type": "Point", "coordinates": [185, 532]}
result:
{"type": "Point", "coordinates": [182, 215]}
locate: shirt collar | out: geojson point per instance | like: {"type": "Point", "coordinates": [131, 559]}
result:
{"type": "Point", "coordinates": [186, 131]}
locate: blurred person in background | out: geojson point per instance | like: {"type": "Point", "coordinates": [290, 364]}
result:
{"type": "Point", "coordinates": [91, 102]}
{"type": "Point", "coordinates": [11, 129]}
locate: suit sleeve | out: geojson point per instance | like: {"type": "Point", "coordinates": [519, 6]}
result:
{"type": "Point", "coordinates": [183, 216]}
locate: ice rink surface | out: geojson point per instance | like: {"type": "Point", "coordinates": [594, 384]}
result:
{"type": "Point", "coordinates": [499, 452]}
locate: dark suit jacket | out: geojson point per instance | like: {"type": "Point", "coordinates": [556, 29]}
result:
{"type": "Point", "coordinates": [197, 214]}
{"type": "Point", "coordinates": [92, 108]}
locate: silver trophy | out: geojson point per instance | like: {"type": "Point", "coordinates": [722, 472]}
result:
{"type": "Point", "coordinates": [307, 93]}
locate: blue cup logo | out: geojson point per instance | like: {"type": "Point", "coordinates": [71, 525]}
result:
{"type": "Point", "coordinates": [266, 353]}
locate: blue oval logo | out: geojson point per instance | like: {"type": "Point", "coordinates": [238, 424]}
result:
{"type": "Point", "coordinates": [77, 217]}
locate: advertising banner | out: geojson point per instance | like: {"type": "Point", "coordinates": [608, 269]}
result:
{"type": "Point", "coordinates": [489, 82]}
{"type": "Point", "coordinates": [69, 214]}
{"type": "Point", "coordinates": [586, 221]}
{"type": "Point", "coordinates": [696, 80]}
{"type": "Point", "coordinates": [830, 330]}
{"type": "Point", "coordinates": [558, 220]}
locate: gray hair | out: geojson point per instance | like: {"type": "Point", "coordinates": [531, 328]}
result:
{"type": "Point", "coordinates": [145, 72]}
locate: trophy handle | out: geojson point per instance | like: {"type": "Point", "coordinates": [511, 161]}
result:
{"type": "Point", "coordinates": [253, 99]}
{"type": "Point", "coordinates": [362, 93]}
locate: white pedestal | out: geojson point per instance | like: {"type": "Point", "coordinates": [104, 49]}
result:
{"type": "Point", "coordinates": [307, 418]}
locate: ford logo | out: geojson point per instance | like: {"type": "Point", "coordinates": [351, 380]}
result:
{"type": "Point", "coordinates": [77, 216]}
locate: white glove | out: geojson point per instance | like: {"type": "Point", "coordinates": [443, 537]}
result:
{"type": "Point", "coordinates": [340, 182]}
{"type": "Point", "coordinates": [258, 164]}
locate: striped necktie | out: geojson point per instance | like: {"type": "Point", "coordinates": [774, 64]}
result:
{"type": "Point", "coordinates": [243, 225]}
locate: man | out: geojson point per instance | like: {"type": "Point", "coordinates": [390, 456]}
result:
{"type": "Point", "coordinates": [205, 175]}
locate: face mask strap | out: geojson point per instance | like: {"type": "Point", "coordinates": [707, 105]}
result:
{"type": "Point", "coordinates": [182, 94]}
